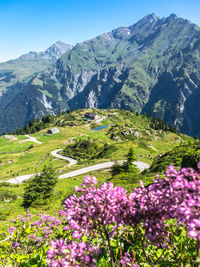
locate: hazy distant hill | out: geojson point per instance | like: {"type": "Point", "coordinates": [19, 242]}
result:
{"type": "Point", "coordinates": [15, 75]}
{"type": "Point", "coordinates": [152, 66]}
{"type": "Point", "coordinates": [28, 64]}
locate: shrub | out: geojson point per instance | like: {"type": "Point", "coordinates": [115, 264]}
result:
{"type": "Point", "coordinates": [184, 155]}
{"type": "Point", "coordinates": [7, 195]}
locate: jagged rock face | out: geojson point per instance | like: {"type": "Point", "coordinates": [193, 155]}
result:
{"type": "Point", "coordinates": [152, 66]}
{"type": "Point", "coordinates": [101, 89]}
{"type": "Point", "coordinates": [33, 101]}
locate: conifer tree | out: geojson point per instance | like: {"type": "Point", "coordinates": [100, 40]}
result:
{"type": "Point", "coordinates": [128, 165]}
{"type": "Point", "coordinates": [40, 187]}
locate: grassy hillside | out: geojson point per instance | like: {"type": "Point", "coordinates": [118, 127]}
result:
{"type": "Point", "coordinates": [185, 155]}
{"type": "Point", "coordinates": [77, 137]}
{"type": "Point", "coordinates": [124, 129]}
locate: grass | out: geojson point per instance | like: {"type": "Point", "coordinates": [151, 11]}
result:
{"type": "Point", "coordinates": [63, 189]}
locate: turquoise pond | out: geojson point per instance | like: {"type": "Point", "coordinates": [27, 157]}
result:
{"type": "Point", "coordinates": [100, 128]}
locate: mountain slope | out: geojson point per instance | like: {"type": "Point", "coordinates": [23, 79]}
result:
{"type": "Point", "coordinates": [150, 67]}
{"type": "Point", "coordinates": [19, 78]}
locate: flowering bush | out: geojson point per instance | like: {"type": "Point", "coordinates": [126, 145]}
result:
{"type": "Point", "coordinates": [97, 212]}
{"type": "Point", "coordinates": [102, 225]}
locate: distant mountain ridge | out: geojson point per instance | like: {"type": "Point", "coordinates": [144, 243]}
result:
{"type": "Point", "coordinates": [54, 52]}
{"type": "Point", "coordinates": [152, 66]}
{"type": "Point", "coordinates": [30, 63]}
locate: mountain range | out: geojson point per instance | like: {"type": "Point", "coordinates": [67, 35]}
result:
{"type": "Point", "coordinates": [150, 67]}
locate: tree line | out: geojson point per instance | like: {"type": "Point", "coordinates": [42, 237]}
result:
{"type": "Point", "coordinates": [35, 125]}
{"type": "Point", "coordinates": [159, 124]}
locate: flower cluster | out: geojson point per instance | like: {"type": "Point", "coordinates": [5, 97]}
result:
{"type": "Point", "coordinates": [105, 209]}
{"type": "Point", "coordinates": [71, 254]}
{"type": "Point", "coordinates": [38, 232]}
{"type": "Point", "coordinates": [127, 261]}
{"type": "Point", "coordinates": [96, 209]}
{"type": "Point", "coordinates": [175, 196]}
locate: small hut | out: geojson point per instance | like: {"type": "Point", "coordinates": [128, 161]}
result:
{"type": "Point", "coordinates": [53, 131]}
{"type": "Point", "coordinates": [91, 116]}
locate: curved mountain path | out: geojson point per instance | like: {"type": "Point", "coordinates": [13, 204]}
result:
{"type": "Point", "coordinates": [22, 178]}
{"type": "Point", "coordinates": [71, 161]}
{"type": "Point", "coordinates": [31, 139]}
{"type": "Point", "coordinates": [19, 179]}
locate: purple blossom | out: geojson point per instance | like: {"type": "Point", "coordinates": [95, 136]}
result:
{"type": "Point", "coordinates": [11, 229]}
{"type": "Point", "coordinates": [126, 260]}
{"type": "Point", "coordinates": [96, 209]}
{"type": "Point", "coordinates": [36, 223]}
{"type": "Point", "coordinates": [62, 213]}
{"type": "Point", "coordinates": [15, 245]}
{"type": "Point", "coordinates": [32, 236]}
{"type": "Point", "coordinates": [175, 196]}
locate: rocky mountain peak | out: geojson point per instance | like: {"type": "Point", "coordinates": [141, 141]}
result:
{"type": "Point", "coordinates": [144, 25]}
{"type": "Point", "coordinates": [171, 18]}
{"type": "Point", "coordinates": [57, 49]}
{"type": "Point", "coordinates": [152, 18]}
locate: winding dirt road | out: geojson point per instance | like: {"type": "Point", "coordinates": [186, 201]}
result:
{"type": "Point", "coordinates": [141, 166]}
{"type": "Point", "coordinates": [55, 154]}
{"type": "Point", "coordinates": [19, 179]}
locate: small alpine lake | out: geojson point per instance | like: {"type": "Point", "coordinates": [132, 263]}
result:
{"type": "Point", "coordinates": [100, 128]}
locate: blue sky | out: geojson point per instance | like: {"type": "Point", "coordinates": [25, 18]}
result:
{"type": "Point", "coordinates": [33, 25]}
